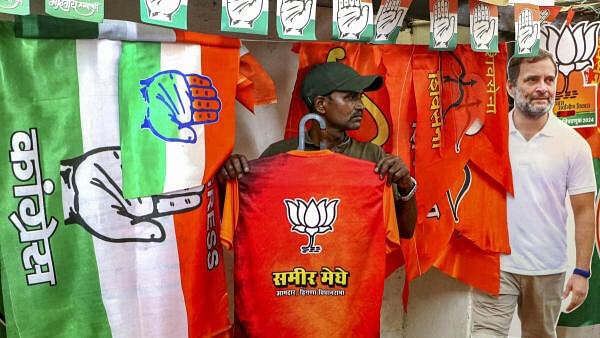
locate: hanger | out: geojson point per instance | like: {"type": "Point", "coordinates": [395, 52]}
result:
{"type": "Point", "coordinates": [302, 128]}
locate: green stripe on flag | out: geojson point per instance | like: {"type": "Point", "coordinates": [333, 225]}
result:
{"type": "Point", "coordinates": [588, 314]}
{"type": "Point", "coordinates": [39, 95]}
{"type": "Point", "coordinates": [139, 61]}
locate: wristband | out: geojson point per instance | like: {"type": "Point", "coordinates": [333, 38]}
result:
{"type": "Point", "coordinates": [582, 273]}
{"type": "Point", "coordinates": [411, 193]}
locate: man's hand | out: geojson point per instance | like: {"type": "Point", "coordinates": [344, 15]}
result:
{"type": "Point", "coordinates": [395, 171]}
{"type": "Point", "coordinates": [242, 13]}
{"type": "Point", "coordinates": [351, 18]}
{"type": "Point", "coordinates": [236, 166]}
{"type": "Point", "coordinates": [295, 15]}
{"type": "Point", "coordinates": [577, 286]}
{"type": "Point", "coordinates": [527, 31]}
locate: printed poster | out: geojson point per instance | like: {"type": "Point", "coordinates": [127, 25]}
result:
{"type": "Point", "coordinates": [574, 48]}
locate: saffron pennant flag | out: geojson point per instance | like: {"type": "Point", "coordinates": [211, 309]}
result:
{"type": "Point", "coordinates": [147, 267]}
{"type": "Point", "coordinates": [389, 20]}
{"type": "Point", "coordinates": [352, 20]}
{"type": "Point", "coordinates": [484, 26]}
{"type": "Point", "coordinates": [527, 30]}
{"type": "Point", "coordinates": [245, 16]}
{"type": "Point", "coordinates": [296, 19]}
{"type": "Point", "coordinates": [17, 7]}
{"type": "Point", "coordinates": [169, 13]}
{"type": "Point", "coordinates": [462, 133]}
{"type": "Point", "coordinates": [443, 24]}
{"type": "Point", "coordinates": [87, 10]}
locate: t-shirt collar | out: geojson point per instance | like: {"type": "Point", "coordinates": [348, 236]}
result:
{"type": "Point", "coordinates": [549, 129]}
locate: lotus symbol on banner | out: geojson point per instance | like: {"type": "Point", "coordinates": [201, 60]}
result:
{"type": "Point", "coordinates": [573, 47]}
{"type": "Point", "coordinates": [311, 218]}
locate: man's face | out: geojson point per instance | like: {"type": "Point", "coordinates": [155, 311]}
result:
{"type": "Point", "coordinates": [534, 89]}
{"type": "Point", "coordinates": [343, 110]}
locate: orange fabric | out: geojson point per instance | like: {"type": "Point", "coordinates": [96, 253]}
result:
{"type": "Point", "coordinates": [460, 170]}
{"type": "Point", "coordinates": [264, 244]}
{"type": "Point", "coordinates": [255, 87]}
{"type": "Point", "coordinates": [201, 266]}
{"type": "Point", "coordinates": [235, 76]}
{"type": "Point", "coordinates": [456, 89]}
{"type": "Point", "coordinates": [466, 262]}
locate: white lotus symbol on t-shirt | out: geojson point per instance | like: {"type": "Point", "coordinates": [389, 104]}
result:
{"type": "Point", "coordinates": [311, 218]}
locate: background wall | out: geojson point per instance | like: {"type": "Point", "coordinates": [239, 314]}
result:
{"type": "Point", "coordinates": [438, 306]}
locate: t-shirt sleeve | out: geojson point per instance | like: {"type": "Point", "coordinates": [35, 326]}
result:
{"type": "Point", "coordinates": [581, 178]}
{"type": "Point", "coordinates": [230, 213]}
{"type": "Point", "coordinates": [391, 223]}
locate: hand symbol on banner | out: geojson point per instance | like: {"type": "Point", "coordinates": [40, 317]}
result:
{"type": "Point", "coordinates": [242, 13]}
{"type": "Point", "coordinates": [92, 198]}
{"type": "Point", "coordinates": [162, 9]}
{"type": "Point", "coordinates": [527, 31]}
{"type": "Point", "coordinates": [443, 24]}
{"type": "Point", "coordinates": [295, 15]}
{"type": "Point", "coordinates": [351, 18]}
{"type": "Point", "coordinates": [388, 19]}
{"type": "Point", "coordinates": [484, 27]}
{"type": "Point", "coordinates": [176, 102]}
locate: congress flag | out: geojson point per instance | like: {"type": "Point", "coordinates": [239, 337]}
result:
{"type": "Point", "coordinates": [73, 250]}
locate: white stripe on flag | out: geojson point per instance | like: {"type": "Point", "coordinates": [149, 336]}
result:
{"type": "Point", "coordinates": [140, 282]}
{"type": "Point", "coordinates": [184, 162]}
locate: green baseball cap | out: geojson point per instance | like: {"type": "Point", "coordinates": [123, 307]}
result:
{"type": "Point", "coordinates": [327, 77]}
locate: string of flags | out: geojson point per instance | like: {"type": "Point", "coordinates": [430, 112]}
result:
{"type": "Point", "coordinates": [352, 20]}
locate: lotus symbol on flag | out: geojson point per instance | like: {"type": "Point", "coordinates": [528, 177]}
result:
{"type": "Point", "coordinates": [572, 46]}
{"type": "Point", "coordinates": [311, 218]}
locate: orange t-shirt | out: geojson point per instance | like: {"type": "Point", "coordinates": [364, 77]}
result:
{"type": "Point", "coordinates": [310, 232]}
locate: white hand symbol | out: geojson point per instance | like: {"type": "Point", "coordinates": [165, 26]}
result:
{"type": "Point", "coordinates": [242, 13]}
{"type": "Point", "coordinates": [443, 24]}
{"type": "Point", "coordinates": [351, 18]}
{"type": "Point", "coordinates": [162, 9]}
{"type": "Point", "coordinates": [484, 27]}
{"type": "Point", "coordinates": [295, 15]}
{"type": "Point", "coordinates": [527, 32]}
{"type": "Point", "coordinates": [388, 18]}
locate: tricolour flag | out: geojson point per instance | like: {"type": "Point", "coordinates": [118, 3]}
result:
{"type": "Point", "coordinates": [163, 122]}
{"type": "Point", "coordinates": [78, 258]}
{"type": "Point", "coordinates": [177, 112]}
